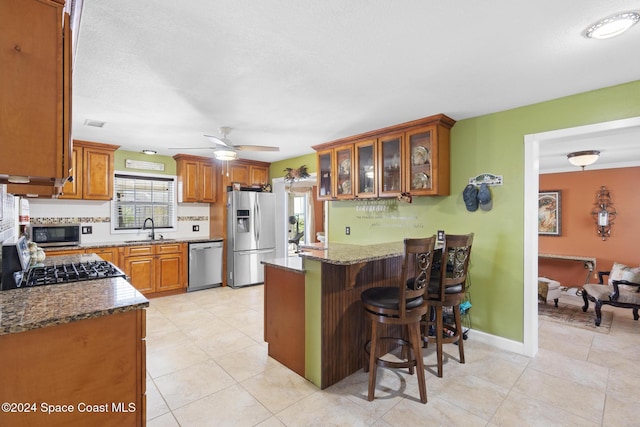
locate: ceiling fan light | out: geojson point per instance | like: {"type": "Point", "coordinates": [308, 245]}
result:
{"type": "Point", "coordinates": [583, 158]}
{"type": "Point", "coordinates": [226, 155]}
{"type": "Point", "coordinates": [612, 26]}
{"type": "Point", "coordinates": [18, 179]}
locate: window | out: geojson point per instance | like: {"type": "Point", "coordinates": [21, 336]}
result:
{"type": "Point", "coordinates": [139, 197]}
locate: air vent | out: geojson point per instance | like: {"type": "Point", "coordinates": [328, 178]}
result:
{"type": "Point", "coordinates": [94, 123]}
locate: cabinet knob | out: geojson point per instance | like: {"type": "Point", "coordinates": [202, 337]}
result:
{"type": "Point", "coordinates": [17, 48]}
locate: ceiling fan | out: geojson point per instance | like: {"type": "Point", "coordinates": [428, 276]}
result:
{"type": "Point", "coordinates": [224, 148]}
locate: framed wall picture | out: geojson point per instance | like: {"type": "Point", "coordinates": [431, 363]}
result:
{"type": "Point", "coordinates": [549, 213]}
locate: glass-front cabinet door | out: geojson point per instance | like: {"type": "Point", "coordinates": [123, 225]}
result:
{"type": "Point", "coordinates": [418, 161]}
{"type": "Point", "coordinates": [344, 167]}
{"type": "Point", "coordinates": [365, 173]}
{"type": "Point", "coordinates": [389, 161]}
{"type": "Point", "coordinates": [325, 176]}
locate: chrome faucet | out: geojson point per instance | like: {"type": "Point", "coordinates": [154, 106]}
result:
{"type": "Point", "coordinates": [153, 228]}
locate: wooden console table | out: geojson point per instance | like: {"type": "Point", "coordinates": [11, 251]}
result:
{"type": "Point", "coordinates": [589, 263]}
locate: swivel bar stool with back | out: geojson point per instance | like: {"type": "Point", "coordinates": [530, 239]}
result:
{"type": "Point", "coordinates": [447, 288]}
{"type": "Point", "coordinates": [400, 307]}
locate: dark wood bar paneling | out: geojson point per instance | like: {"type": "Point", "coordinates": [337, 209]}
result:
{"type": "Point", "coordinates": [344, 326]}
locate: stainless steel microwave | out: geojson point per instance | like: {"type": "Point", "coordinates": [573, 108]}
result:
{"type": "Point", "coordinates": [55, 234]}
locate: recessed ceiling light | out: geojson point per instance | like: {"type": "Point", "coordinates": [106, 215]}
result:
{"type": "Point", "coordinates": [94, 123]}
{"type": "Point", "coordinates": [612, 26]}
{"type": "Point", "coordinates": [149, 151]}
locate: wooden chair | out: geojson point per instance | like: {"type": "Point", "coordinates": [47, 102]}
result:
{"type": "Point", "coordinates": [620, 293]}
{"type": "Point", "coordinates": [403, 306]}
{"type": "Point", "coordinates": [447, 288]}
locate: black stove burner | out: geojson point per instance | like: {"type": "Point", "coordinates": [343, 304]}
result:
{"type": "Point", "coordinates": [74, 272]}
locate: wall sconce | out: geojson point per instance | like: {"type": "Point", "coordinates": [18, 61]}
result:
{"type": "Point", "coordinates": [604, 213]}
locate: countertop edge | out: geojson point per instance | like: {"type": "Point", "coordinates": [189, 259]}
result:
{"type": "Point", "coordinates": [71, 318]}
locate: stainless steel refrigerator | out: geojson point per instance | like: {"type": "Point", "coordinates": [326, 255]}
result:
{"type": "Point", "coordinates": [250, 236]}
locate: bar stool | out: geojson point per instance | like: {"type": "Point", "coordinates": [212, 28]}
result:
{"type": "Point", "coordinates": [447, 288]}
{"type": "Point", "coordinates": [400, 306]}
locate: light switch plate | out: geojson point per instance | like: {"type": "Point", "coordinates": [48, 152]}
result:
{"type": "Point", "coordinates": [87, 229]}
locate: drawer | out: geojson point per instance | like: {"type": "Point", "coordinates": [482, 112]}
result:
{"type": "Point", "coordinates": [138, 250]}
{"type": "Point", "coordinates": [171, 248]}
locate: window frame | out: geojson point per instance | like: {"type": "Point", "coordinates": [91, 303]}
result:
{"type": "Point", "coordinates": [174, 203]}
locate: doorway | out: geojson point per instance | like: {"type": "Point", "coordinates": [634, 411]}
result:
{"type": "Point", "coordinates": [300, 216]}
{"type": "Point", "coordinates": [535, 146]}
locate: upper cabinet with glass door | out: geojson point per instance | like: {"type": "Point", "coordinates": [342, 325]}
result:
{"type": "Point", "coordinates": [411, 157]}
{"type": "Point", "coordinates": [390, 165]}
{"type": "Point", "coordinates": [365, 174]}
{"type": "Point", "coordinates": [344, 168]}
{"type": "Point", "coordinates": [427, 160]}
{"type": "Point", "coordinates": [335, 169]}
{"type": "Point", "coordinates": [419, 176]}
{"type": "Point", "coordinates": [325, 175]}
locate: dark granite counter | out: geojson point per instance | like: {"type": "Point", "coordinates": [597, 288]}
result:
{"type": "Point", "coordinates": [36, 307]}
{"type": "Point", "coordinates": [345, 254]}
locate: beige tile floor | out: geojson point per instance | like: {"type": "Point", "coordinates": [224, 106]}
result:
{"type": "Point", "coordinates": [207, 364]}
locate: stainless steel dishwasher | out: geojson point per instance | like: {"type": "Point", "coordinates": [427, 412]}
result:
{"type": "Point", "coordinates": [205, 265]}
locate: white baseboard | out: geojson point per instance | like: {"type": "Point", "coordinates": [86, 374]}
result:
{"type": "Point", "coordinates": [499, 342]}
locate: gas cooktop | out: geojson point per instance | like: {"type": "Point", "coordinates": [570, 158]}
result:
{"type": "Point", "coordinates": [67, 273]}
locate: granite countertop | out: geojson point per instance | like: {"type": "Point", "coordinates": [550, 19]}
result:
{"type": "Point", "coordinates": [292, 263]}
{"type": "Point", "coordinates": [131, 243]}
{"type": "Point", "coordinates": [24, 309]}
{"type": "Point", "coordinates": [41, 306]}
{"type": "Point", "coordinates": [345, 254]}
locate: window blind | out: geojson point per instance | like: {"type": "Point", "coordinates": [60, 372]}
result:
{"type": "Point", "coordinates": [139, 197]}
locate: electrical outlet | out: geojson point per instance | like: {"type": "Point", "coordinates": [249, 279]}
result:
{"type": "Point", "coordinates": [196, 228]}
{"type": "Point", "coordinates": [87, 229]}
{"type": "Point", "coordinates": [347, 230]}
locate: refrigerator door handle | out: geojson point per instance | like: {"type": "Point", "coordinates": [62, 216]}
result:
{"type": "Point", "coordinates": [257, 221]}
{"type": "Point", "coordinates": [252, 252]}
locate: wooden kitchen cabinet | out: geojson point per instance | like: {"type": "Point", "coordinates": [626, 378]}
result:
{"type": "Point", "coordinates": [365, 174]}
{"type": "Point", "coordinates": [93, 171]}
{"type": "Point", "coordinates": [110, 254]}
{"type": "Point", "coordinates": [140, 268]}
{"type": "Point", "coordinates": [197, 178]}
{"type": "Point", "coordinates": [411, 157]}
{"type": "Point", "coordinates": [156, 268]}
{"type": "Point", "coordinates": [335, 166]}
{"type": "Point", "coordinates": [95, 361]}
{"type": "Point", "coordinates": [247, 173]}
{"type": "Point", "coordinates": [35, 65]}
{"type": "Point", "coordinates": [61, 252]}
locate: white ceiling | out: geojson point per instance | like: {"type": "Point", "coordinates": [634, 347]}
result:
{"type": "Point", "coordinates": [298, 73]}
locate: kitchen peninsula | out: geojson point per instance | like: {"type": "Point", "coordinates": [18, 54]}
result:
{"type": "Point", "coordinates": [335, 328]}
{"type": "Point", "coordinates": [74, 349]}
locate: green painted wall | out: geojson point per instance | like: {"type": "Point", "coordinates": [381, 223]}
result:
{"type": "Point", "coordinates": [312, 321]}
{"type": "Point", "coordinates": [122, 155]}
{"type": "Point", "coordinates": [276, 169]}
{"type": "Point", "coordinates": [495, 144]}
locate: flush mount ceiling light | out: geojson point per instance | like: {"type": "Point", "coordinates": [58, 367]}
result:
{"type": "Point", "coordinates": [583, 158]}
{"type": "Point", "coordinates": [149, 151]}
{"type": "Point", "coordinates": [225, 154]}
{"type": "Point", "coordinates": [612, 26]}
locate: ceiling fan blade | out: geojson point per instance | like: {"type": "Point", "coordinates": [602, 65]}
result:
{"type": "Point", "coordinates": [219, 141]}
{"type": "Point", "coordinates": [256, 148]}
{"type": "Point", "coordinates": [192, 148]}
